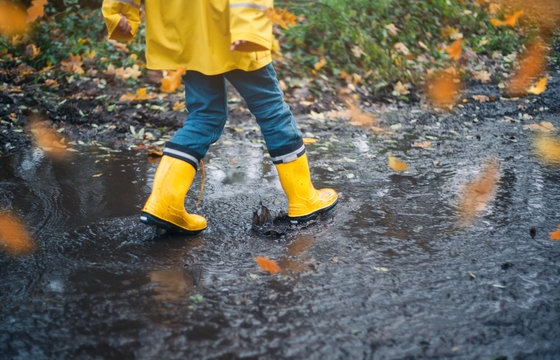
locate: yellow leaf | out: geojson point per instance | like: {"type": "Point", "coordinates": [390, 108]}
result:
{"type": "Point", "coordinates": [179, 105]}
{"type": "Point", "coordinates": [309, 141]}
{"type": "Point", "coordinates": [396, 164]}
{"type": "Point", "coordinates": [319, 65]}
{"type": "Point", "coordinates": [281, 17]}
{"type": "Point", "coordinates": [547, 148]}
{"type": "Point", "coordinates": [510, 20]}
{"type": "Point", "coordinates": [141, 94]}
{"type": "Point", "coordinates": [400, 89]}
{"type": "Point", "coordinates": [539, 87]}
{"type": "Point", "coordinates": [12, 19]}
{"type": "Point", "coordinates": [36, 10]}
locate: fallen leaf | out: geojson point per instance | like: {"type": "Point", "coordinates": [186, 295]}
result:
{"type": "Point", "coordinates": [392, 29]}
{"type": "Point", "coordinates": [476, 194]}
{"type": "Point", "coordinates": [267, 264]}
{"type": "Point", "coordinates": [396, 165]}
{"type": "Point", "coordinates": [400, 89]}
{"type": "Point", "coordinates": [32, 51]}
{"type": "Point", "coordinates": [141, 94]}
{"type": "Point", "coordinates": [320, 64]}
{"type": "Point", "coordinates": [179, 105]}
{"type": "Point", "coordinates": [173, 80]}
{"type": "Point", "coordinates": [481, 98]}
{"type": "Point", "coordinates": [309, 141]}
{"type": "Point", "coordinates": [14, 237]}
{"type": "Point", "coordinates": [482, 76]}
{"type": "Point", "coordinates": [539, 87]}
{"type": "Point", "coordinates": [401, 48]}
{"type": "Point", "coordinates": [51, 83]}
{"type": "Point", "coordinates": [97, 175]}
{"type": "Point", "coordinates": [357, 51]}
{"type": "Point", "coordinates": [454, 50]}
{"type": "Point", "coordinates": [555, 235]}
{"type": "Point", "coordinates": [73, 65]}
{"type": "Point", "coordinates": [281, 17]}
{"type": "Point", "coordinates": [118, 45]}
{"type": "Point", "coordinates": [424, 144]}
{"type": "Point", "coordinates": [544, 126]}
{"type": "Point", "coordinates": [36, 10]}
{"type": "Point", "coordinates": [510, 20]}
{"type": "Point", "coordinates": [131, 72]}
{"type": "Point", "coordinates": [451, 33]}
{"type": "Point", "coordinates": [547, 148]}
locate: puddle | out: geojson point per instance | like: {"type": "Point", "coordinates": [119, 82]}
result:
{"type": "Point", "coordinates": [388, 274]}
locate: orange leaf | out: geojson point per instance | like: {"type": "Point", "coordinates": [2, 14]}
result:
{"type": "Point", "coordinates": [173, 80]}
{"type": "Point", "coordinates": [454, 50]}
{"type": "Point", "coordinates": [267, 264]}
{"type": "Point", "coordinates": [309, 141]}
{"type": "Point", "coordinates": [424, 144]}
{"type": "Point", "coordinates": [555, 235]}
{"type": "Point", "coordinates": [14, 237]}
{"type": "Point", "coordinates": [281, 17]}
{"type": "Point", "coordinates": [12, 19]}
{"type": "Point", "coordinates": [443, 88]}
{"type": "Point", "coordinates": [36, 10]}
{"type": "Point", "coordinates": [510, 20]}
{"type": "Point", "coordinates": [396, 164]}
{"type": "Point", "coordinates": [530, 66]}
{"type": "Point", "coordinates": [476, 194]}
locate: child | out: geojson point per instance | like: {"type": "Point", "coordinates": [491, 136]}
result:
{"type": "Point", "coordinates": [216, 40]}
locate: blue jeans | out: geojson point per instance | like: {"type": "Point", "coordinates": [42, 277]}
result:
{"type": "Point", "coordinates": [206, 101]}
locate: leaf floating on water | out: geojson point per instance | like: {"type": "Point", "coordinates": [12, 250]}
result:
{"type": "Point", "coordinates": [476, 194]}
{"type": "Point", "coordinates": [14, 237]}
{"type": "Point", "coordinates": [396, 164]}
{"type": "Point", "coordinates": [267, 264]}
{"type": "Point", "coordinates": [555, 235]}
{"type": "Point", "coordinates": [547, 148]}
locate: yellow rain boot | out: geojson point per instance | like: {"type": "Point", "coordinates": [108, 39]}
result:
{"type": "Point", "coordinates": [165, 207]}
{"type": "Point", "coordinates": [305, 202]}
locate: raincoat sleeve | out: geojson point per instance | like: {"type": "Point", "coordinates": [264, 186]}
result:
{"type": "Point", "coordinates": [249, 22]}
{"type": "Point", "coordinates": [112, 10]}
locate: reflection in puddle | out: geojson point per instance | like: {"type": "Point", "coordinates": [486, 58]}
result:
{"type": "Point", "coordinates": [295, 259]}
{"type": "Point", "coordinates": [171, 285]}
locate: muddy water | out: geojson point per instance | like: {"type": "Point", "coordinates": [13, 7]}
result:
{"type": "Point", "coordinates": [387, 275]}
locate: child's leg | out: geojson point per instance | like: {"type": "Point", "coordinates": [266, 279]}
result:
{"type": "Point", "coordinates": [206, 101]}
{"type": "Point", "coordinates": [266, 101]}
{"type": "Point", "coordinates": [284, 142]}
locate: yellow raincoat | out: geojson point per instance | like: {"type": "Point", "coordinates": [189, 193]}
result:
{"type": "Point", "coordinates": [197, 34]}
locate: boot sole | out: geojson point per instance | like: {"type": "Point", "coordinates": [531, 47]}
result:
{"type": "Point", "coordinates": [313, 215]}
{"type": "Point", "coordinates": [151, 220]}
